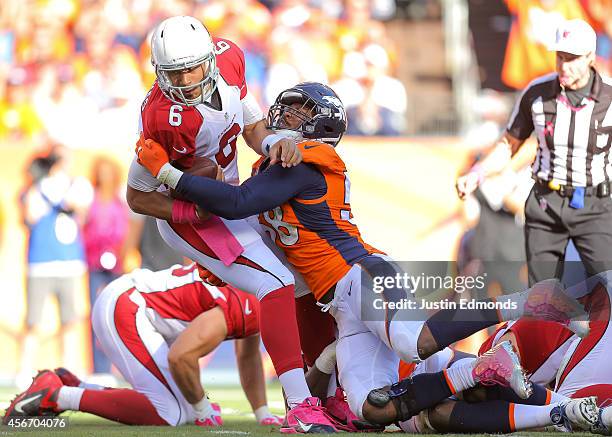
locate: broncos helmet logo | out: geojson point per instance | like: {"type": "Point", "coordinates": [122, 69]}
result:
{"type": "Point", "coordinates": [337, 103]}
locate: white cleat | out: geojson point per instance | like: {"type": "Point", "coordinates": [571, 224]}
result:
{"type": "Point", "coordinates": [580, 413]}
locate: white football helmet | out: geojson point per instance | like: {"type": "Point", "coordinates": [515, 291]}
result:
{"type": "Point", "coordinates": [180, 43]}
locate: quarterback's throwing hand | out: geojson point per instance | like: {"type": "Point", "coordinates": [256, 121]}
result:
{"type": "Point", "coordinates": [151, 155]}
{"type": "Point", "coordinates": [286, 152]}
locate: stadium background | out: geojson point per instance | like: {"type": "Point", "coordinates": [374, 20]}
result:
{"type": "Point", "coordinates": [427, 85]}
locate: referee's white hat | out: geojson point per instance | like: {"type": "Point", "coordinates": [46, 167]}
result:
{"type": "Point", "coordinates": [576, 37]}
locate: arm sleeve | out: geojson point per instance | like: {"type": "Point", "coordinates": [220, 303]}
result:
{"type": "Point", "coordinates": [140, 179]}
{"type": "Point", "coordinates": [252, 111]}
{"type": "Point", "coordinates": [260, 193]}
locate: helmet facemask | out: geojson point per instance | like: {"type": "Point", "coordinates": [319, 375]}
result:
{"type": "Point", "coordinates": [176, 93]}
{"type": "Point", "coordinates": [295, 112]}
{"type": "Point", "coordinates": [308, 110]}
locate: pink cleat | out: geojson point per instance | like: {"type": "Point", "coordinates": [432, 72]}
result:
{"type": "Point", "coordinates": [308, 417]}
{"type": "Point", "coordinates": [213, 420]}
{"type": "Point", "coordinates": [501, 366]}
{"type": "Point", "coordinates": [40, 399]}
{"type": "Point", "coordinates": [67, 377]}
{"type": "Point", "coordinates": [344, 419]}
{"type": "Point", "coordinates": [547, 301]}
{"type": "Point", "coordinates": [271, 421]}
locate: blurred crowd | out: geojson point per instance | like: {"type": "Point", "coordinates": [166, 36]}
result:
{"type": "Point", "coordinates": [533, 29]}
{"type": "Point", "coordinates": [77, 228]}
{"type": "Point", "coordinates": [76, 70]}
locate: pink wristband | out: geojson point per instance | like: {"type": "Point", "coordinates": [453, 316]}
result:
{"type": "Point", "coordinates": [184, 212]}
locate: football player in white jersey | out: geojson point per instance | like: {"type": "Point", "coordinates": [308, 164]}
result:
{"type": "Point", "coordinates": [154, 327]}
{"type": "Point", "coordinates": [198, 106]}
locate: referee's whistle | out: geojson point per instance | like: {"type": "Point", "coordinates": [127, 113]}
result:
{"type": "Point", "coordinates": [553, 185]}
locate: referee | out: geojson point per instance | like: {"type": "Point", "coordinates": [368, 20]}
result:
{"type": "Point", "coordinates": [571, 114]}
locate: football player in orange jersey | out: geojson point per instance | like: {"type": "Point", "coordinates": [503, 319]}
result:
{"type": "Point", "coordinates": [308, 209]}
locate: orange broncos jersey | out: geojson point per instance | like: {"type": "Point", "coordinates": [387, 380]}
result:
{"type": "Point", "coordinates": [317, 235]}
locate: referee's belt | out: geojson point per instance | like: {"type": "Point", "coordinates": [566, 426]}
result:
{"type": "Point", "coordinates": [601, 190]}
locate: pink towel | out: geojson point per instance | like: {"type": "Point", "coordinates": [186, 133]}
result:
{"type": "Point", "coordinates": [219, 238]}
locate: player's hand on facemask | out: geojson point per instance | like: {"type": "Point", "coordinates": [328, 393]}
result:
{"type": "Point", "coordinates": [151, 155]}
{"type": "Point", "coordinates": [286, 152]}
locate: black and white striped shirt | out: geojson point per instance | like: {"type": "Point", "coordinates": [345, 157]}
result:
{"type": "Point", "coordinates": [573, 142]}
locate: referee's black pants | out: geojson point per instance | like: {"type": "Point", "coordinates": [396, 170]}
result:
{"type": "Point", "coordinates": [549, 224]}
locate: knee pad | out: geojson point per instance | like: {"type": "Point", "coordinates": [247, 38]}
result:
{"type": "Point", "coordinates": [401, 394]}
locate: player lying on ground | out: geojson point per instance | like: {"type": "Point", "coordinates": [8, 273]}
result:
{"type": "Point", "coordinates": [154, 327]}
{"type": "Point", "coordinates": [308, 208]}
{"type": "Point", "coordinates": [556, 357]}
{"type": "Point", "coordinates": [198, 107]}
{"type": "Point", "coordinates": [553, 356]}
{"type": "Point", "coordinates": [484, 409]}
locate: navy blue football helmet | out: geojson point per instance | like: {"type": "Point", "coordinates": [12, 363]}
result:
{"type": "Point", "coordinates": [317, 106]}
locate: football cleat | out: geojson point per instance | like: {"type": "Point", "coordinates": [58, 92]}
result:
{"type": "Point", "coordinates": [501, 366]}
{"type": "Point", "coordinates": [309, 417]}
{"type": "Point", "coordinates": [343, 418]}
{"type": "Point", "coordinates": [581, 413]}
{"type": "Point", "coordinates": [213, 420]}
{"type": "Point", "coordinates": [68, 378]}
{"type": "Point", "coordinates": [40, 399]}
{"type": "Point", "coordinates": [547, 301]}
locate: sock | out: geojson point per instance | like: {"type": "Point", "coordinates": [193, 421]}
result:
{"type": "Point", "coordinates": [333, 385]}
{"type": "Point", "coordinates": [202, 408]}
{"type": "Point", "coordinates": [488, 417]}
{"type": "Point", "coordinates": [428, 390]}
{"type": "Point", "coordinates": [530, 416]}
{"type": "Point", "coordinates": [326, 361]}
{"type": "Point", "coordinates": [460, 377]}
{"type": "Point", "coordinates": [262, 413]}
{"type": "Point", "coordinates": [317, 328]}
{"type": "Point", "coordinates": [279, 333]}
{"type": "Point", "coordinates": [555, 398]}
{"type": "Point", "coordinates": [121, 405]}
{"type": "Point", "coordinates": [69, 398]}
{"type": "Point", "coordinates": [540, 395]}
{"type": "Point", "coordinates": [450, 325]}
{"type": "Point", "coordinates": [293, 382]}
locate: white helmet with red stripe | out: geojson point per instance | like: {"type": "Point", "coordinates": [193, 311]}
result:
{"type": "Point", "coordinates": [183, 43]}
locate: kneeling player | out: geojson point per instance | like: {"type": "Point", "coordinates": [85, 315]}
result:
{"type": "Point", "coordinates": [154, 326]}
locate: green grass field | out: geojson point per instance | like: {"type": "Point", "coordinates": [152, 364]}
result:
{"type": "Point", "coordinates": [236, 414]}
